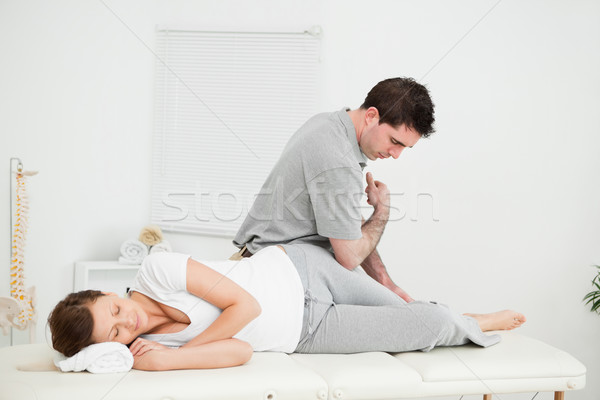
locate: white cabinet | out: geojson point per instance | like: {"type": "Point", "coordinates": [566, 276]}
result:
{"type": "Point", "coordinates": [108, 276]}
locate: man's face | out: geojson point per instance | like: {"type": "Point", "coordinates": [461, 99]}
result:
{"type": "Point", "coordinates": [383, 141]}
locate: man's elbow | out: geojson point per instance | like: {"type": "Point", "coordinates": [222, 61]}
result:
{"type": "Point", "coordinates": [347, 252]}
{"type": "Point", "coordinates": [348, 262]}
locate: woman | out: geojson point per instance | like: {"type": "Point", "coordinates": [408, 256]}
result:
{"type": "Point", "coordinates": [182, 313]}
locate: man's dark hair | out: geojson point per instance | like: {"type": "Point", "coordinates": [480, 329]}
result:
{"type": "Point", "coordinates": [402, 101]}
{"type": "Point", "coordinates": [71, 322]}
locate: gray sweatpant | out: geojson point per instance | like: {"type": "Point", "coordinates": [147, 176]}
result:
{"type": "Point", "coordinates": [349, 312]}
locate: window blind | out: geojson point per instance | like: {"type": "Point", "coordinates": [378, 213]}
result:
{"type": "Point", "coordinates": [226, 103]}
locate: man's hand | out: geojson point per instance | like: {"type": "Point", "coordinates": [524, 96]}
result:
{"type": "Point", "coordinates": [386, 281]}
{"type": "Point", "coordinates": [377, 192]}
{"type": "Point", "coordinates": [401, 293]}
{"type": "Point", "coordinates": [374, 267]}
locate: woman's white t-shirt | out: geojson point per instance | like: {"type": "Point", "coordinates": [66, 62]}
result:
{"type": "Point", "coordinates": [269, 276]}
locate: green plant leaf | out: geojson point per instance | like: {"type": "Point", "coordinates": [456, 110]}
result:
{"type": "Point", "coordinates": [594, 296]}
{"type": "Point", "coordinates": [589, 297]}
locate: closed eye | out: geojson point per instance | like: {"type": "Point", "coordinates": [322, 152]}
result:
{"type": "Point", "coordinates": [114, 312]}
{"type": "Point", "coordinates": [116, 329]}
{"type": "Point", "coordinates": [396, 142]}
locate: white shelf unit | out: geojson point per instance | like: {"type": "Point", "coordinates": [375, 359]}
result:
{"type": "Point", "coordinates": [108, 276]}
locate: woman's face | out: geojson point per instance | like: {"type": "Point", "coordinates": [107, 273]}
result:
{"type": "Point", "coordinates": [116, 319]}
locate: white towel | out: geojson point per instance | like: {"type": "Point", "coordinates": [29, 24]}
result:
{"type": "Point", "coordinates": [133, 252]}
{"type": "Point", "coordinates": [99, 358]}
{"type": "Point", "coordinates": [161, 247]}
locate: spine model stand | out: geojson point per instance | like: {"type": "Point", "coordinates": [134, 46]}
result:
{"type": "Point", "coordinates": [18, 310]}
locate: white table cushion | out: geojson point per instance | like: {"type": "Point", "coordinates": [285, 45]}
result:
{"type": "Point", "coordinates": [363, 375]}
{"type": "Point", "coordinates": [268, 376]}
{"type": "Point", "coordinates": [517, 364]}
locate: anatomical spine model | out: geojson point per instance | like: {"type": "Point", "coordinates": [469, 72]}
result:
{"type": "Point", "coordinates": [18, 310]}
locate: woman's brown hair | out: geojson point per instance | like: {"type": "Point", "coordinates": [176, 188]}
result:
{"type": "Point", "coordinates": [71, 322]}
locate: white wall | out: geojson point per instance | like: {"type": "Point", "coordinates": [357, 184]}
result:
{"type": "Point", "coordinates": [513, 168]}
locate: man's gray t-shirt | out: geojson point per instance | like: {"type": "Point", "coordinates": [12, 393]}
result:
{"type": "Point", "coordinates": [313, 192]}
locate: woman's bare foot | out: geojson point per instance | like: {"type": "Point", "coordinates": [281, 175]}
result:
{"type": "Point", "coordinates": [501, 320]}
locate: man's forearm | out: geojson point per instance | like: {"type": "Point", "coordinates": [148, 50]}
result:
{"type": "Point", "coordinates": [373, 228]}
{"type": "Point", "coordinates": [352, 253]}
{"type": "Point", "coordinates": [375, 268]}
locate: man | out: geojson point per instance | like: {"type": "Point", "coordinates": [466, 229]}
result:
{"type": "Point", "coordinates": [312, 194]}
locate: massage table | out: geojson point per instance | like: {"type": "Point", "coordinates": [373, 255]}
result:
{"type": "Point", "coordinates": [518, 364]}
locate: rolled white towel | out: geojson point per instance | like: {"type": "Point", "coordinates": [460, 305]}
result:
{"type": "Point", "coordinates": [161, 247]}
{"type": "Point", "coordinates": [133, 252]}
{"type": "Point", "coordinates": [99, 358]}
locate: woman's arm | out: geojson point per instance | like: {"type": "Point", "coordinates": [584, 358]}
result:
{"type": "Point", "coordinates": [239, 307]}
{"type": "Point", "coordinates": [219, 354]}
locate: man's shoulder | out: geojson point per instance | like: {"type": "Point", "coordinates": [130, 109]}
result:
{"type": "Point", "coordinates": [323, 128]}
{"type": "Point", "coordinates": [324, 138]}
